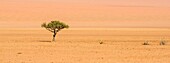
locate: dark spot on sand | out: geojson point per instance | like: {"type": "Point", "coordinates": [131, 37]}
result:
{"type": "Point", "coordinates": [19, 53]}
{"type": "Point", "coordinates": [100, 42]}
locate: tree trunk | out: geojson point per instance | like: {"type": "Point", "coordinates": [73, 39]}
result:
{"type": "Point", "coordinates": [54, 35]}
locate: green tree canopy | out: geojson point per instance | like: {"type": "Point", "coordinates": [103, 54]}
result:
{"type": "Point", "coordinates": [54, 27]}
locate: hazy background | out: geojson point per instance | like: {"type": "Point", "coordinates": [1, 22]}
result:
{"type": "Point", "coordinates": [85, 13]}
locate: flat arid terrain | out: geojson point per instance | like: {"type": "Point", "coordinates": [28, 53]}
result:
{"type": "Point", "coordinates": [82, 45]}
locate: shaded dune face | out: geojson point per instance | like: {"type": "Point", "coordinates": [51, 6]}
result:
{"type": "Point", "coordinates": [90, 13]}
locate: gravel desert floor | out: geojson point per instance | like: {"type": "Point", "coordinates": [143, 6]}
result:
{"type": "Point", "coordinates": [78, 45]}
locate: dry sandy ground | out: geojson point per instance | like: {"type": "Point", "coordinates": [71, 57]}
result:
{"type": "Point", "coordinates": [121, 45]}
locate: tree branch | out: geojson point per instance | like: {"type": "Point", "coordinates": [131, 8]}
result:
{"type": "Point", "coordinates": [49, 30]}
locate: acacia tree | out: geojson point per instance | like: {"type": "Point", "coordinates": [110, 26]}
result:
{"type": "Point", "coordinates": [54, 27]}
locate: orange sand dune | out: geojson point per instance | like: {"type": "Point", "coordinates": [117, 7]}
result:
{"type": "Point", "coordinates": [90, 13]}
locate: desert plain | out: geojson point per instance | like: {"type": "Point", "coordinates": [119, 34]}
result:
{"type": "Point", "coordinates": [101, 31]}
{"type": "Point", "coordinates": [82, 45]}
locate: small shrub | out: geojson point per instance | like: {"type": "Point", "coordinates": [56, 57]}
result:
{"type": "Point", "coordinates": [162, 42]}
{"type": "Point", "coordinates": [100, 42]}
{"type": "Point", "coordinates": [146, 43]}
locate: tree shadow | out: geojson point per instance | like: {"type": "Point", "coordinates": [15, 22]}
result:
{"type": "Point", "coordinates": [44, 41]}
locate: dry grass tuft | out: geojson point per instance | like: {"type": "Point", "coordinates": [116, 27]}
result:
{"type": "Point", "coordinates": [146, 43]}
